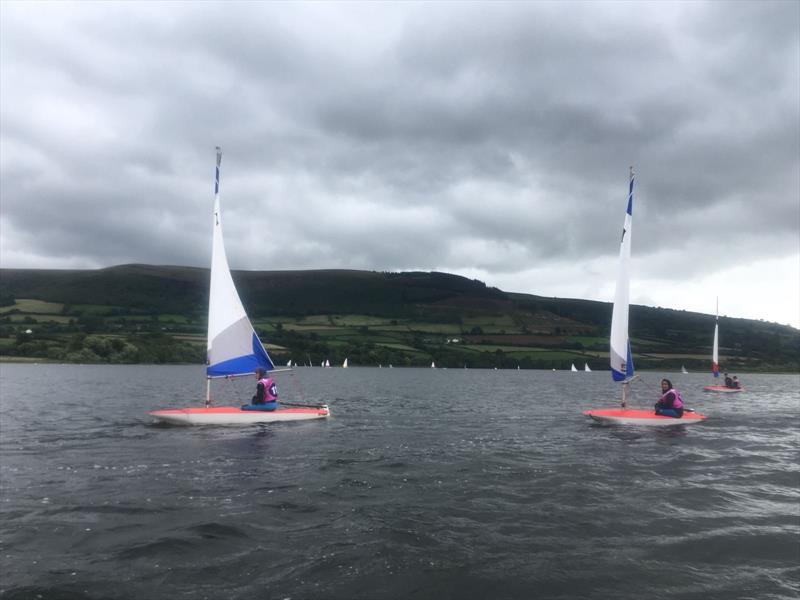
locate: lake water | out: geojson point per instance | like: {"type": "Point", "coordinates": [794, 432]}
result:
{"type": "Point", "coordinates": [424, 484]}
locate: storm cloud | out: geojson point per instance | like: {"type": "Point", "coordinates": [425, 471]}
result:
{"type": "Point", "coordinates": [487, 139]}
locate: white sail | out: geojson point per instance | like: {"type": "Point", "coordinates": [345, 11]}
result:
{"type": "Point", "coordinates": [572, 367]}
{"type": "Point", "coordinates": [289, 363]}
{"type": "Point", "coordinates": [683, 370]}
{"type": "Point", "coordinates": [327, 363]}
{"type": "Point", "coordinates": [433, 365]}
{"type": "Point", "coordinates": [620, 350]}
{"type": "Point", "coordinates": [586, 367]}
{"type": "Point", "coordinates": [233, 346]}
{"type": "Point", "coordinates": [715, 351]}
{"type": "Point", "coordinates": [344, 364]}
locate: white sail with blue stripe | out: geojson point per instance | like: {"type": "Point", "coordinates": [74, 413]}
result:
{"type": "Point", "coordinates": [233, 345]}
{"type": "Point", "coordinates": [233, 349]}
{"type": "Point", "coordinates": [620, 351]}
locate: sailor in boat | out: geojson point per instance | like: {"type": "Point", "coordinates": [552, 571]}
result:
{"type": "Point", "coordinates": [735, 384]}
{"type": "Point", "coordinates": [266, 397]}
{"type": "Point", "coordinates": [728, 381]}
{"type": "Point", "coordinates": [670, 404]}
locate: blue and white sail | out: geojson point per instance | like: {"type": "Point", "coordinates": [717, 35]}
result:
{"type": "Point", "coordinates": [620, 354]}
{"type": "Point", "coordinates": [233, 346]}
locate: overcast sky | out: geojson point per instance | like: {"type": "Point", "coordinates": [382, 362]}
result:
{"type": "Point", "coordinates": [491, 140]}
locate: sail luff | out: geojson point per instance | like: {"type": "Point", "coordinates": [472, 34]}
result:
{"type": "Point", "coordinates": [620, 355]}
{"type": "Point", "coordinates": [233, 347]}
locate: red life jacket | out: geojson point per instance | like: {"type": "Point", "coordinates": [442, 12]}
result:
{"type": "Point", "coordinates": [270, 389]}
{"type": "Point", "coordinates": [676, 404]}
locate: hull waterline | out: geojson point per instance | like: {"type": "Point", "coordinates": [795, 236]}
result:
{"type": "Point", "coordinates": [232, 415]}
{"type": "Point", "coordinates": [638, 416]}
{"type": "Point", "coordinates": [721, 389]}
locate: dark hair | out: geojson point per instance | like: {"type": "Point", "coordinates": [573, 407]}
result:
{"type": "Point", "coordinates": [669, 383]}
{"type": "Point", "coordinates": [260, 371]}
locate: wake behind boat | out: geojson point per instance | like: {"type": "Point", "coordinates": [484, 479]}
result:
{"type": "Point", "coordinates": [620, 355]}
{"type": "Point", "coordinates": [234, 349]}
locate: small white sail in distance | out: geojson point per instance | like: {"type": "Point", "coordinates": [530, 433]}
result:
{"type": "Point", "coordinates": [433, 365]}
{"type": "Point", "coordinates": [586, 367]}
{"type": "Point", "coordinates": [572, 368]}
{"type": "Point", "coordinates": [233, 346]}
{"type": "Point", "coordinates": [344, 364]}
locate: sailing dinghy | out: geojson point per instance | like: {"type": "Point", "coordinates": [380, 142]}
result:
{"type": "Point", "coordinates": [586, 368]}
{"type": "Point", "coordinates": [234, 349]}
{"type": "Point", "coordinates": [718, 389]}
{"type": "Point", "coordinates": [620, 354]}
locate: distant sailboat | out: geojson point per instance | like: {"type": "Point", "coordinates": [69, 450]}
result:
{"type": "Point", "coordinates": [720, 389]}
{"type": "Point", "coordinates": [620, 354]}
{"type": "Point", "coordinates": [586, 367]}
{"type": "Point", "coordinates": [715, 350]}
{"type": "Point", "coordinates": [289, 363]}
{"type": "Point", "coordinates": [573, 369]}
{"type": "Point", "coordinates": [327, 363]}
{"type": "Point", "coordinates": [234, 348]}
{"type": "Point", "coordinates": [683, 370]}
{"type": "Point", "coordinates": [433, 365]}
{"type": "Point", "coordinates": [344, 364]}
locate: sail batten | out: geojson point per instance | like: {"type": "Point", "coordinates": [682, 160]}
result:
{"type": "Point", "coordinates": [233, 345]}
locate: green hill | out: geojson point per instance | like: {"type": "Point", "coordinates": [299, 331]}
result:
{"type": "Point", "coordinates": [143, 313]}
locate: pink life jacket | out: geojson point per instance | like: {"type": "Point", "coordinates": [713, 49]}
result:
{"type": "Point", "coordinates": [270, 389]}
{"type": "Point", "coordinates": [677, 403]}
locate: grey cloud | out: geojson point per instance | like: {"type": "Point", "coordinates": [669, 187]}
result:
{"type": "Point", "coordinates": [508, 125]}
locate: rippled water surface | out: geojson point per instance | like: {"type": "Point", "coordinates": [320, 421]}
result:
{"type": "Point", "coordinates": [423, 484]}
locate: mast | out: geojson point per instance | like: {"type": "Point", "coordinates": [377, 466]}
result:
{"type": "Point", "coordinates": [211, 274]}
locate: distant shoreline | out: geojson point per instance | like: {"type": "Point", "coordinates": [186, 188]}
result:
{"type": "Point", "coordinates": [33, 360]}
